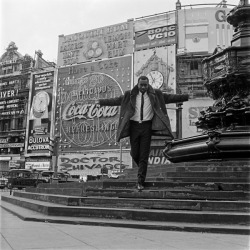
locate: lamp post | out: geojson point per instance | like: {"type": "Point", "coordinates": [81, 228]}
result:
{"type": "Point", "coordinates": [55, 154]}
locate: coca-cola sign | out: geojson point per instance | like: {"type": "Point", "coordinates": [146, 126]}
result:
{"type": "Point", "coordinates": [85, 123]}
{"type": "Point", "coordinates": [81, 123]}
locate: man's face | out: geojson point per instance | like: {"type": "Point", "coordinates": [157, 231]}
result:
{"type": "Point", "coordinates": [143, 86]}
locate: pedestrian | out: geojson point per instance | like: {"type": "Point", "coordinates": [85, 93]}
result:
{"type": "Point", "coordinates": [143, 114]}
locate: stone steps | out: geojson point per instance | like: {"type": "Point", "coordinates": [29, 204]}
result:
{"type": "Point", "coordinates": [170, 194]}
{"type": "Point", "coordinates": [156, 215]}
{"type": "Point", "coordinates": [29, 215]}
{"type": "Point", "coordinates": [238, 174]}
{"type": "Point", "coordinates": [206, 186]}
{"type": "Point", "coordinates": [190, 179]}
{"type": "Point", "coordinates": [205, 193]}
{"type": "Point", "coordinates": [181, 204]}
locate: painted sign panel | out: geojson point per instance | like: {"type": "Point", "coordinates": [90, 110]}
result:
{"type": "Point", "coordinates": [91, 163]}
{"type": "Point", "coordinates": [159, 66]}
{"type": "Point", "coordinates": [190, 113]}
{"type": "Point", "coordinates": [156, 157]}
{"type": "Point", "coordinates": [40, 113]}
{"type": "Point", "coordinates": [155, 31]}
{"type": "Point", "coordinates": [155, 37]}
{"type": "Point", "coordinates": [12, 145]}
{"type": "Point", "coordinates": [38, 165]}
{"type": "Point", "coordinates": [82, 124]}
{"type": "Point", "coordinates": [106, 42]}
{"type": "Point", "coordinates": [155, 21]}
{"type": "Point", "coordinates": [203, 29]}
{"type": "Point", "coordinates": [160, 62]}
{"type": "Point", "coordinates": [11, 99]}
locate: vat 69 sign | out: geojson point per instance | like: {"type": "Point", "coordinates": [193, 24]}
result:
{"type": "Point", "coordinates": [82, 124]}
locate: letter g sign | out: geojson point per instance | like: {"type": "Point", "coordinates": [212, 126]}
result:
{"type": "Point", "coordinates": [220, 15]}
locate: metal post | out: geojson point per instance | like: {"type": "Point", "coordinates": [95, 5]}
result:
{"type": "Point", "coordinates": [179, 120]}
{"type": "Point", "coordinates": [55, 153]}
{"type": "Point", "coordinates": [120, 156]}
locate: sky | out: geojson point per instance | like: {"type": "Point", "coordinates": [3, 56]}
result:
{"type": "Point", "coordinates": [36, 24]}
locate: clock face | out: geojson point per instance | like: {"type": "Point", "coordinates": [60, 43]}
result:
{"type": "Point", "coordinates": [41, 101]}
{"type": "Point", "coordinates": [155, 79]}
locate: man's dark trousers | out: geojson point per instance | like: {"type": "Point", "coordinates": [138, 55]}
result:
{"type": "Point", "coordinates": [140, 139]}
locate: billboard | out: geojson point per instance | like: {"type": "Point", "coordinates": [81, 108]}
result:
{"type": "Point", "coordinates": [91, 163]}
{"type": "Point", "coordinates": [159, 65]}
{"type": "Point", "coordinates": [82, 124]}
{"type": "Point", "coordinates": [190, 113]}
{"type": "Point", "coordinates": [38, 164]}
{"type": "Point", "coordinates": [106, 42]}
{"type": "Point", "coordinates": [203, 29]}
{"type": "Point", "coordinates": [155, 21]}
{"type": "Point", "coordinates": [155, 31]}
{"type": "Point", "coordinates": [11, 98]}
{"type": "Point", "coordinates": [40, 117]}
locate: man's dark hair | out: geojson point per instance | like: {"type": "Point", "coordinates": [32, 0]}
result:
{"type": "Point", "coordinates": [143, 78]}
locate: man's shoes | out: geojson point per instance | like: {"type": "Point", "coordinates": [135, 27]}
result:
{"type": "Point", "coordinates": [140, 187]}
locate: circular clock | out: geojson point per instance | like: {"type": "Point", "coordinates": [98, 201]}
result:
{"type": "Point", "coordinates": [41, 101]}
{"type": "Point", "coordinates": [155, 79]}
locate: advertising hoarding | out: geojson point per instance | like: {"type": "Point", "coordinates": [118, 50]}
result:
{"type": "Point", "coordinates": [40, 116]}
{"type": "Point", "coordinates": [11, 98]}
{"type": "Point", "coordinates": [155, 21]}
{"type": "Point", "coordinates": [155, 31]}
{"type": "Point", "coordinates": [82, 124]}
{"type": "Point", "coordinates": [90, 163]}
{"type": "Point", "coordinates": [159, 65]}
{"type": "Point", "coordinates": [40, 164]}
{"type": "Point", "coordinates": [156, 37]}
{"type": "Point", "coordinates": [106, 42]}
{"type": "Point", "coordinates": [156, 157]}
{"type": "Point", "coordinates": [190, 113]}
{"type": "Point", "coordinates": [203, 29]}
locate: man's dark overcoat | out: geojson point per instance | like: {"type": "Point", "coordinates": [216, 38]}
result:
{"type": "Point", "coordinates": [160, 122]}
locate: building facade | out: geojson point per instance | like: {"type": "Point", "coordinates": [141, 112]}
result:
{"type": "Point", "coordinates": [106, 61]}
{"type": "Point", "coordinates": [201, 31]}
{"type": "Point", "coordinates": [15, 76]}
{"type": "Point", "coordinates": [100, 63]}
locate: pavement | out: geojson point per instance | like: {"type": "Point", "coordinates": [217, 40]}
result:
{"type": "Point", "coordinates": [18, 234]}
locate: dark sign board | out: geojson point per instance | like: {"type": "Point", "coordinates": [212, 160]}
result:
{"type": "Point", "coordinates": [156, 37]}
{"type": "Point", "coordinates": [40, 113]}
{"type": "Point", "coordinates": [81, 123]}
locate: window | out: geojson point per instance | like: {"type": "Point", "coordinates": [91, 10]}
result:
{"type": "Point", "coordinates": [20, 123]}
{"type": "Point", "coordinates": [194, 65]}
{"type": "Point", "coordinates": [6, 125]}
{"type": "Point", "coordinates": [194, 68]}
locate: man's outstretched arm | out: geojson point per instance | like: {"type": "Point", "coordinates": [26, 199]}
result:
{"type": "Point", "coordinates": [110, 102]}
{"type": "Point", "coordinates": [174, 98]}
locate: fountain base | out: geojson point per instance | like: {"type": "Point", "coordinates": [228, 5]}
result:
{"type": "Point", "coordinates": [227, 145]}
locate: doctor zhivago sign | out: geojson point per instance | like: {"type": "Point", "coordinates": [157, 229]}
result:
{"type": "Point", "coordinates": [81, 123]}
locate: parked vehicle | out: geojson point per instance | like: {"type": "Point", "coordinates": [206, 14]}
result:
{"type": "Point", "coordinates": [3, 182]}
{"type": "Point", "coordinates": [51, 176]}
{"type": "Point", "coordinates": [21, 178]}
{"type": "Point", "coordinates": [3, 179]}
